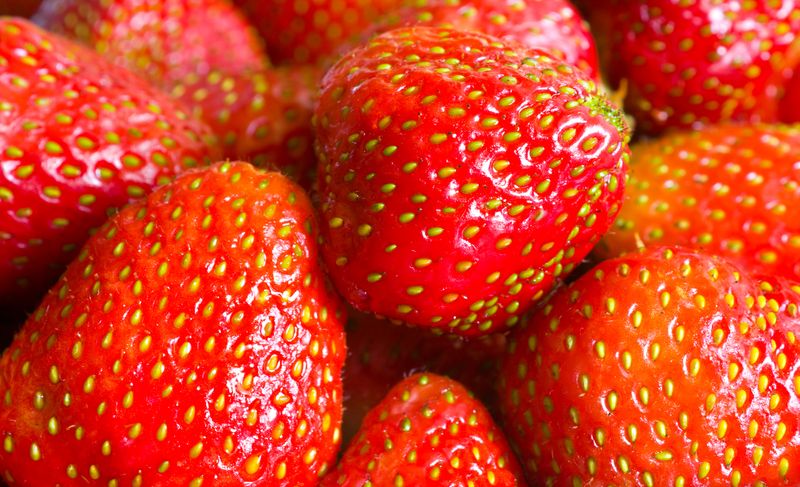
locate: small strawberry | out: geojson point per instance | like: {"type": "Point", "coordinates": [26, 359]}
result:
{"type": "Point", "coordinates": [691, 63]}
{"type": "Point", "coordinates": [78, 137]}
{"type": "Point", "coordinates": [460, 177]}
{"type": "Point", "coordinates": [671, 367]}
{"type": "Point", "coordinates": [732, 190]}
{"type": "Point", "coordinates": [193, 341]}
{"type": "Point", "coordinates": [21, 8]}
{"type": "Point", "coordinates": [554, 25]}
{"type": "Point", "coordinates": [303, 32]}
{"type": "Point", "coordinates": [165, 40]}
{"type": "Point", "coordinates": [382, 354]}
{"type": "Point", "coordinates": [428, 431]}
{"type": "Point", "coordinates": [263, 116]}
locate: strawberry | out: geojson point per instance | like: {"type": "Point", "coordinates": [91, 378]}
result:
{"type": "Point", "coordinates": [192, 341]}
{"type": "Point", "coordinates": [166, 40]}
{"type": "Point", "coordinates": [548, 24]}
{"type": "Point", "coordinates": [460, 176]}
{"type": "Point", "coordinates": [430, 431]}
{"type": "Point", "coordinates": [692, 63]}
{"type": "Point", "coordinates": [732, 190]}
{"type": "Point", "coordinates": [381, 354]}
{"type": "Point", "coordinates": [670, 367]}
{"type": "Point", "coordinates": [262, 116]}
{"type": "Point", "coordinates": [303, 32]}
{"type": "Point", "coordinates": [22, 8]}
{"type": "Point", "coordinates": [79, 137]}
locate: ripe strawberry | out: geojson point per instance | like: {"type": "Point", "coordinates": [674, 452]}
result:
{"type": "Point", "coordinates": [382, 354]}
{"type": "Point", "coordinates": [460, 176]}
{"type": "Point", "coordinates": [692, 63]}
{"type": "Point", "coordinates": [303, 32]}
{"type": "Point", "coordinates": [428, 431]}
{"type": "Point", "coordinates": [166, 40]}
{"type": "Point", "coordinates": [734, 191]}
{"type": "Point", "coordinates": [263, 116]}
{"type": "Point", "coordinates": [79, 137]}
{"type": "Point", "coordinates": [192, 341]}
{"type": "Point", "coordinates": [554, 25]}
{"type": "Point", "coordinates": [22, 8]}
{"type": "Point", "coordinates": [670, 367]}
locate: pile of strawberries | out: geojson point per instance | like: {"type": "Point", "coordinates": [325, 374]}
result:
{"type": "Point", "coordinates": [379, 243]}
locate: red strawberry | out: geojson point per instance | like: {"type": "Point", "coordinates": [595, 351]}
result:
{"type": "Point", "coordinates": [301, 31]}
{"type": "Point", "coordinates": [734, 191]}
{"type": "Point", "coordinates": [192, 341]}
{"type": "Point", "coordinates": [691, 63]}
{"type": "Point", "coordinates": [460, 176]}
{"type": "Point", "coordinates": [262, 116]}
{"type": "Point", "coordinates": [428, 431]}
{"type": "Point", "coordinates": [22, 8]}
{"type": "Point", "coordinates": [164, 40]}
{"type": "Point", "coordinates": [381, 354]}
{"type": "Point", "coordinates": [554, 25]}
{"type": "Point", "coordinates": [78, 137]}
{"type": "Point", "coordinates": [667, 368]}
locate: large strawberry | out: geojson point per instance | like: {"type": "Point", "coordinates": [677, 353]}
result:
{"type": "Point", "coordinates": [193, 341]}
{"type": "Point", "coordinates": [733, 190]}
{"type": "Point", "coordinates": [428, 431]}
{"type": "Point", "coordinates": [380, 354]}
{"type": "Point", "coordinates": [460, 176]}
{"type": "Point", "coordinates": [554, 25]}
{"type": "Point", "coordinates": [690, 63]}
{"type": "Point", "coordinates": [164, 40]}
{"type": "Point", "coordinates": [671, 367]}
{"type": "Point", "coordinates": [301, 31]}
{"type": "Point", "coordinates": [78, 136]}
{"type": "Point", "coordinates": [263, 116]}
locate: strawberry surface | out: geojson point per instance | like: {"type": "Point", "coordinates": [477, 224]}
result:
{"type": "Point", "coordinates": [790, 104]}
{"type": "Point", "coordinates": [554, 25]}
{"type": "Point", "coordinates": [193, 341]}
{"type": "Point", "coordinates": [303, 32]}
{"type": "Point", "coordinates": [691, 63]}
{"type": "Point", "coordinates": [163, 40]}
{"type": "Point", "coordinates": [460, 176]}
{"type": "Point", "coordinates": [78, 137]}
{"type": "Point", "coordinates": [22, 8]}
{"type": "Point", "coordinates": [429, 431]}
{"type": "Point", "coordinates": [732, 190]}
{"type": "Point", "coordinates": [263, 117]}
{"type": "Point", "coordinates": [670, 367]}
{"type": "Point", "coordinates": [381, 354]}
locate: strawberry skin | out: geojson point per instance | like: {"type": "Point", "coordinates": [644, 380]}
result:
{"type": "Point", "coordinates": [693, 63]}
{"type": "Point", "coordinates": [732, 190]}
{"type": "Point", "coordinates": [78, 137]}
{"type": "Point", "coordinates": [263, 117]}
{"type": "Point", "coordinates": [460, 177]}
{"type": "Point", "coordinates": [430, 431]}
{"type": "Point", "coordinates": [179, 38]}
{"type": "Point", "coordinates": [21, 8]}
{"type": "Point", "coordinates": [381, 354]}
{"type": "Point", "coordinates": [791, 100]}
{"type": "Point", "coordinates": [192, 341]}
{"type": "Point", "coordinates": [303, 32]}
{"type": "Point", "coordinates": [670, 367]}
{"type": "Point", "coordinates": [554, 25]}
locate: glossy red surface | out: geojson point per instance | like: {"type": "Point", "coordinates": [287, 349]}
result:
{"type": "Point", "coordinates": [193, 340]}
{"type": "Point", "coordinates": [669, 367]}
{"type": "Point", "coordinates": [78, 138]}
{"type": "Point", "coordinates": [460, 178]}
{"type": "Point", "coordinates": [428, 431]}
{"type": "Point", "coordinates": [693, 63]}
{"type": "Point", "coordinates": [734, 191]}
